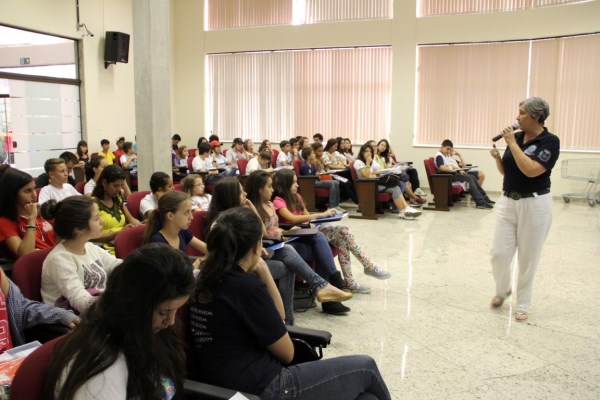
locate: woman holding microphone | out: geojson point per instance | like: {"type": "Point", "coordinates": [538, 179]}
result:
{"type": "Point", "coordinates": [524, 212]}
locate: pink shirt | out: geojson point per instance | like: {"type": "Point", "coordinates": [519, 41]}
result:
{"type": "Point", "coordinates": [280, 203]}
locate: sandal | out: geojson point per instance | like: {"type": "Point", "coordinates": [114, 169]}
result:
{"type": "Point", "coordinates": [497, 301]}
{"type": "Point", "coordinates": [521, 315]}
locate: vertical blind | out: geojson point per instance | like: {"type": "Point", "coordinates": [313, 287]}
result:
{"type": "Point", "coordinates": [445, 7]}
{"type": "Point", "coordinates": [223, 14]}
{"type": "Point", "coordinates": [469, 92]}
{"type": "Point", "coordinates": [277, 95]}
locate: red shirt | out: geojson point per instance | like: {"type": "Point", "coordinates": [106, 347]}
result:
{"type": "Point", "coordinates": [44, 232]}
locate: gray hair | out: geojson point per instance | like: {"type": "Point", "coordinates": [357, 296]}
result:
{"type": "Point", "coordinates": [537, 107]}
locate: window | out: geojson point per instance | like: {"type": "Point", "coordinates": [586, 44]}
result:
{"type": "Point", "coordinates": [277, 95]}
{"type": "Point", "coordinates": [444, 7]}
{"type": "Point", "coordinates": [39, 98]}
{"type": "Point", "coordinates": [223, 14]}
{"type": "Point", "coordinates": [470, 92]}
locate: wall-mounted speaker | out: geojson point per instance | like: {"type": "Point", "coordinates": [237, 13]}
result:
{"type": "Point", "coordinates": [116, 48]}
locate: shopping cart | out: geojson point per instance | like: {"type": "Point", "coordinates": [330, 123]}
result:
{"type": "Point", "coordinates": [586, 170]}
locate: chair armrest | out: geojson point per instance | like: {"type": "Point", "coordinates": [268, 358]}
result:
{"type": "Point", "coordinates": [45, 332]}
{"type": "Point", "coordinates": [199, 390]}
{"type": "Point", "coordinates": [314, 337]}
{"type": "Point", "coordinates": [308, 177]}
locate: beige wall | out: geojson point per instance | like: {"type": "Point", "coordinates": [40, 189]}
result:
{"type": "Point", "coordinates": [108, 95]}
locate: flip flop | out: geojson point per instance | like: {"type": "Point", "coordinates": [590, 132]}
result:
{"type": "Point", "coordinates": [521, 315]}
{"type": "Point", "coordinates": [497, 301]}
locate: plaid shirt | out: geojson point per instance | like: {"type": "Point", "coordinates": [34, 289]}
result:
{"type": "Point", "coordinates": [24, 313]}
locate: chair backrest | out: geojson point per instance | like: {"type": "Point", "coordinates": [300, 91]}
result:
{"type": "Point", "coordinates": [28, 383]}
{"type": "Point", "coordinates": [27, 273]}
{"type": "Point", "coordinates": [429, 169]}
{"type": "Point", "coordinates": [133, 203]}
{"type": "Point", "coordinates": [178, 187]}
{"type": "Point", "coordinates": [128, 240]}
{"type": "Point", "coordinates": [241, 164]}
{"type": "Point", "coordinates": [79, 186]}
{"type": "Point", "coordinates": [297, 164]}
{"type": "Point", "coordinates": [274, 159]}
{"type": "Point", "coordinates": [197, 228]}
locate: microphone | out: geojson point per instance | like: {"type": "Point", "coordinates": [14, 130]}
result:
{"type": "Point", "coordinates": [515, 126]}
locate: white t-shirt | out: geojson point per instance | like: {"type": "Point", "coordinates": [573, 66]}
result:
{"type": "Point", "coordinates": [148, 203]}
{"type": "Point", "coordinates": [232, 156]}
{"type": "Point", "coordinates": [201, 202]}
{"type": "Point", "coordinates": [133, 165]}
{"type": "Point", "coordinates": [253, 165]}
{"type": "Point", "coordinates": [108, 384]}
{"type": "Point", "coordinates": [285, 158]}
{"type": "Point", "coordinates": [199, 164]}
{"type": "Point", "coordinates": [359, 165]}
{"type": "Point", "coordinates": [69, 275]}
{"type": "Point", "coordinates": [89, 187]}
{"type": "Point", "coordinates": [50, 192]}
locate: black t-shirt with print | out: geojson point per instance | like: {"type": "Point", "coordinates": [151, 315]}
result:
{"type": "Point", "coordinates": [545, 149]}
{"type": "Point", "coordinates": [230, 335]}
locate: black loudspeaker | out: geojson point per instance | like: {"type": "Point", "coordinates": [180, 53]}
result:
{"type": "Point", "coordinates": [116, 48]}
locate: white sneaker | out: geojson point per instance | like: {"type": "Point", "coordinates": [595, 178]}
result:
{"type": "Point", "coordinates": [411, 212]}
{"type": "Point", "coordinates": [377, 272]}
{"type": "Point", "coordinates": [358, 288]}
{"type": "Point", "coordinates": [402, 215]}
{"type": "Point", "coordinates": [339, 210]}
{"type": "Point", "coordinates": [420, 192]}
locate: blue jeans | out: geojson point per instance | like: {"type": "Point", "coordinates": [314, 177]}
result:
{"type": "Point", "coordinates": [316, 248]}
{"type": "Point", "coordinates": [292, 260]}
{"type": "Point", "coordinates": [334, 191]}
{"type": "Point", "coordinates": [348, 377]}
{"type": "Point", "coordinates": [285, 285]}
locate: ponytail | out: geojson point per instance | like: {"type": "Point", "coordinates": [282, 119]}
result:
{"type": "Point", "coordinates": [169, 202]}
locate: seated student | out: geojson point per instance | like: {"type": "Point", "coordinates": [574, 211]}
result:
{"type": "Point", "coordinates": [115, 216]}
{"type": "Point", "coordinates": [236, 152]}
{"type": "Point", "coordinates": [331, 160]}
{"type": "Point", "coordinates": [217, 156]}
{"type": "Point", "coordinates": [238, 336]}
{"type": "Point", "coordinates": [82, 155]}
{"type": "Point", "coordinates": [160, 184]}
{"type": "Point", "coordinates": [175, 139]}
{"type": "Point", "coordinates": [129, 159]}
{"type": "Point", "coordinates": [265, 144]}
{"type": "Point", "coordinates": [181, 157]}
{"type": "Point", "coordinates": [201, 140]}
{"type": "Point", "coordinates": [460, 162]}
{"type": "Point", "coordinates": [22, 229]}
{"type": "Point", "coordinates": [58, 188]}
{"type": "Point", "coordinates": [213, 137]}
{"type": "Point", "coordinates": [285, 262]}
{"type": "Point", "coordinates": [383, 156]}
{"type": "Point", "coordinates": [71, 162]}
{"type": "Point", "coordinates": [126, 346]}
{"type": "Point", "coordinates": [120, 150]}
{"type": "Point", "coordinates": [309, 168]}
{"type": "Point", "coordinates": [170, 223]}
{"type": "Point", "coordinates": [261, 162]}
{"type": "Point", "coordinates": [318, 138]}
{"type": "Point", "coordinates": [20, 313]}
{"type": "Point", "coordinates": [106, 153]}
{"type": "Point", "coordinates": [295, 148]}
{"type": "Point", "coordinates": [204, 163]}
{"type": "Point", "coordinates": [290, 208]}
{"type": "Point", "coordinates": [75, 271]}
{"type": "Point", "coordinates": [285, 157]}
{"type": "Point", "coordinates": [346, 150]}
{"type": "Point", "coordinates": [193, 185]}
{"type": "Point", "coordinates": [97, 165]}
{"type": "Point", "coordinates": [445, 163]}
{"type": "Point", "coordinates": [366, 167]}
{"type": "Point", "coordinates": [249, 149]}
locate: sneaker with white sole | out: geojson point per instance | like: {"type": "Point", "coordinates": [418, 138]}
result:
{"type": "Point", "coordinates": [420, 192]}
{"type": "Point", "coordinates": [339, 210]}
{"type": "Point", "coordinates": [358, 288]}
{"type": "Point", "coordinates": [401, 215]}
{"type": "Point", "coordinates": [377, 272]}
{"type": "Point", "coordinates": [411, 212]}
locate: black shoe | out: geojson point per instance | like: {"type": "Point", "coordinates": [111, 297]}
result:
{"type": "Point", "coordinates": [484, 206]}
{"type": "Point", "coordinates": [337, 281]}
{"type": "Point", "coordinates": [334, 308]}
{"type": "Point", "coordinates": [491, 202]}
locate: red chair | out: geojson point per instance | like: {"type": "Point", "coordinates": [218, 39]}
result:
{"type": "Point", "coordinates": [178, 187]}
{"type": "Point", "coordinates": [441, 186]}
{"type": "Point", "coordinates": [274, 158]}
{"type": "Point", "coordinates": [79, 186]}
{"type": "Point", "coordinates": [197, 228]}
{"type": "Point", "coordinates": [128, 240]}
{"type": "Point", "coordinates": [28, 383]}
{"type": "Point", "coordinates": [133, 203]}
{"type": "Point", "coordinates": [241, 164]}
{"type": "Point", "coordinates": [27, 273]}
{"type": "Point", "coordinates": [368, 195]}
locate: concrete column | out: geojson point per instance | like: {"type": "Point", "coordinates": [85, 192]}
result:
{"type": "Point", "coordinates": [152, 87]}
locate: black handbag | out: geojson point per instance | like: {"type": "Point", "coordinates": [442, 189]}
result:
{"type": "Point", "coordinates": [389, 181]}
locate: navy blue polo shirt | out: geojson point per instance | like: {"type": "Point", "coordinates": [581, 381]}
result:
{"type": "Point", "coordinates": [545, 149]}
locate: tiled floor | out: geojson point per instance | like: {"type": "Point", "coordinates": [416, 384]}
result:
{"type": "Point", "coordinates": [430, 327]}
